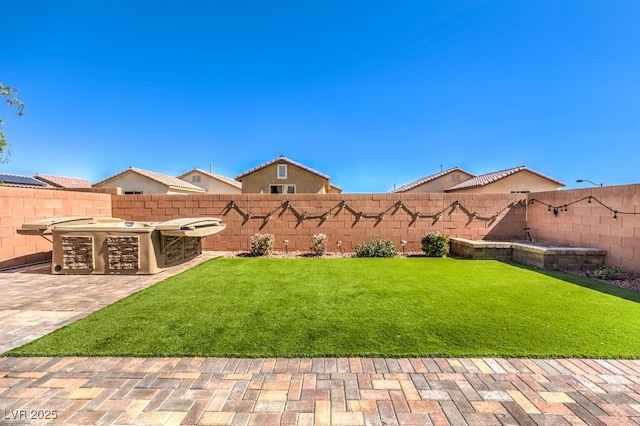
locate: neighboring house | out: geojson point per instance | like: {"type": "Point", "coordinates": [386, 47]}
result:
{"type": "Point", "coordinates": [138, 181]}
{"type": "Point", "coordinates": [516, 180]}
{"type": "Point", "coordinates": [438, 182]}
{"type": "Point", "coordinates": [284, 176]}
{"type": "Point", "coordinates": [211, 182]}
{"type": "Point", "coordinates": [63, 182]}
{"type": "Point", "coordinates": [21, 181]}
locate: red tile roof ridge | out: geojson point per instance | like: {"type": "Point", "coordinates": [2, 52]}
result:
{"type": "Point", "coordinates": [63, 181]}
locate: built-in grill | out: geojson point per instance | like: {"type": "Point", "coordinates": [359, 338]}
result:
{"type": "Point", "coordinates": [107, 245]}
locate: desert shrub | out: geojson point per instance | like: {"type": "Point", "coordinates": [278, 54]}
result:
{"type": "Point", "coordinates": [319, 244]}
{"type": "Point", "coordinates": [607, 273]}
{"type": "Point", "coordinates": [380, 247]}
{"type": "Point", "coordinates": [262, 244]}
{"type": "Point", "coordinates": [435, 244]}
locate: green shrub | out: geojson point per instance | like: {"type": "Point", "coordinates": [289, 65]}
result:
{"type": "Point", "coordinates": [262, 244]}
{"type": "Point", "coordinates": [435, 244]}
{"type": "Point", "coordinates": [319, 244]}
{"type": "Point", "coordinates": [380, 247]}
{"type": "Point", "coordinates": [606, 273]}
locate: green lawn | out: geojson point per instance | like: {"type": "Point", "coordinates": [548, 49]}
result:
{"type": "Point", "coordinates": [253, 307]}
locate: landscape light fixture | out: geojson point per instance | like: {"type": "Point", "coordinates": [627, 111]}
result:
{"type": "Point", "coordinates": [590, 181]}
{"type": "Point", "coordinates": [403, 243]}
{"type": "Point", "coordinates": [340, 246]}
{"type": "Point", "coordinates": [286, 246]}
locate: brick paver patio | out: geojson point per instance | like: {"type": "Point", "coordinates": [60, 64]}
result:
{"type": "Point", "coordinates": [340, 391]}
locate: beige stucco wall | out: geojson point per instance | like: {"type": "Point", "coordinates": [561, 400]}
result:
{"type": "Point", "coordinates": [519, 181]}
{"type": "Point", "coordinates": [131, 181]}
{"type": "Point", "coordinates": [304, 181]}
{"type": "Point", "coordinates": [213, 186]}
{"type": "Point", "coordinates": [441, 183]}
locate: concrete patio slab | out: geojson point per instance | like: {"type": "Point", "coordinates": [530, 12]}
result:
{"type": "Point", "coordinates": [35, 303]}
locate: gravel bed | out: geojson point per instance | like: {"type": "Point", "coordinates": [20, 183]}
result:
{"type": "Point", "coordinates": [629, 280]}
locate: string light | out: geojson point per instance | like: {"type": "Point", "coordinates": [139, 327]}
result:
{"type": "Point", "coordinates": [589, 198]}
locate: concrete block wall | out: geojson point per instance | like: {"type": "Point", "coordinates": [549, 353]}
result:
{"type": "Point", "coordinates": [582, 225]}
{"type": "Point", "coordinates": [20, 205]}
{"type": "Point", "coordinates": [248, 215]}
{"type": "Point", "coordinates": [591, 225]}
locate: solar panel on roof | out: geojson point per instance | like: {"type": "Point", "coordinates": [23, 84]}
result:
{"type": "Point", "coordinates": [20, 180]}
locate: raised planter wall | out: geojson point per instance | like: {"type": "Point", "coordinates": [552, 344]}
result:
{"type": "Point", "coordinates": [565, 258]}
{"type": "Point", "coordinates": [482, 250]}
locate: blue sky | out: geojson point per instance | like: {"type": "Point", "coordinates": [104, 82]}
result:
{"type": "Point", "coordinates": [372, 93]}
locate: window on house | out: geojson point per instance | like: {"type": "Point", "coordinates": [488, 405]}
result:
{"type": "Point", "coordinates": [282, 171]}
{"type": "Point", "coordinates": [282, 189]}
{"type": "Point", "coordinates": [132, 192]}
{"type": "Point", "coordinates": [196, 178]}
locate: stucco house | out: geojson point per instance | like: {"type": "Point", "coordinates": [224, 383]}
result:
{"type": "Point", "coordinates": [284, 176]}
{"type": "Point", "coordinates": [438, 182]}
{"type": "Point", "coordinates": [139, 181]}
{"type": "Point", "coordinates": [213, 183]}
{"type": "Point", "coordinates": [519, 179]}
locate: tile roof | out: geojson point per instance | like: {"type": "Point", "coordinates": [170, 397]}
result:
{"type": "Point", "coordinates": [167, 180]}
{"type": "Point", "coordinates": [426, 179]}
{"type": "Point", "coordinates": [221, 178]}
{"type": "Point", "coordinates": [21, 181]}
{"type": "Point", "coordinates": [282, 159]}
{"type": "Point", "coordinates": [488, 178]}
{"type": "Point", "coordinates": [63, 182]}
